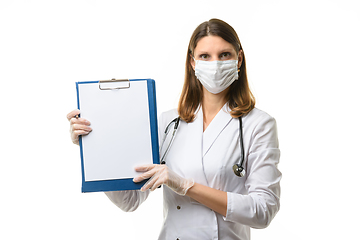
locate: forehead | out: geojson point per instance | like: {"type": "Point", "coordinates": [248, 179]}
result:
{"type": "Point", "coordinates": [213, 44]}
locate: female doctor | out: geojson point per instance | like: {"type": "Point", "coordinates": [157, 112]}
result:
{"type": "Point", "coordinates": [204, 197]}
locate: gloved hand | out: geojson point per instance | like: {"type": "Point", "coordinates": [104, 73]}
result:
{"type": "Point", "coordinates": [161, 174]}
{"type": "Point", "coordinates": [78, 126]}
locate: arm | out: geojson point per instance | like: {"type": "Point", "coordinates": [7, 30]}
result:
{"type": "Point", "coordinates": [128, 201]}
{"type": "Point", "coordinates": [210, 197]}
{"type": "Point", "coordinates": [161, 174]}
{"type": "Point", "coordinates": [260, 205]}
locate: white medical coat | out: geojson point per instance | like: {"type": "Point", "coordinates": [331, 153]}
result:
{"type": "Point", "coordinates": [208, 157]}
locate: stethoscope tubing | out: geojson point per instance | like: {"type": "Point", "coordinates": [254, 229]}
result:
{"type": "Point", "coordinates": [176, 121]}
{"type": "Point", "coordinates": [241, 142]}
{"type": "Point", "coordinates": [238, 168]}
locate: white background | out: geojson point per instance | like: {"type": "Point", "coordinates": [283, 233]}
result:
{"type": "Point", "coordinates": [303, 67]}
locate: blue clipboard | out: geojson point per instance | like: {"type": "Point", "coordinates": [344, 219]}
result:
{"type": "Point", "coordinates": [123, 117]}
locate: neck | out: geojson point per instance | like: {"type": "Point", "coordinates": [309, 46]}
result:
{"type": "Point", "coordinates": [211, 105]}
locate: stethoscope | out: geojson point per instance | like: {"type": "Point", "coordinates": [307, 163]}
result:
{"type": "Point", "coordinates": [237, 168]}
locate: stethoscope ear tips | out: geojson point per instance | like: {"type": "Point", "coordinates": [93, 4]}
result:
{"type": "Point", "coordinates": [239, 171]}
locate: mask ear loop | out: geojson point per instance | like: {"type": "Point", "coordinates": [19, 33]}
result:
{"type": "Point", "coordinates": [193, 67]}
{"type": "Point", "coordinates": [241, 61]}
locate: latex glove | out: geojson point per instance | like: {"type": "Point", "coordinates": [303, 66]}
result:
{"type": "Point", "coordinates": [78, 126]}
{"type": "Point", "coordinates": [161, 174]}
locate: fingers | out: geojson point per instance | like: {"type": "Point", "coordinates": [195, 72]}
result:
{"type": "Point", "coordinates": [72, 114]}
{"type": "Point", "coordinates": [149, 170]}
{"type": "Point", "coordinates": [145, 167]}
{"type": "Point", "coordinates": [78, 126]}
{"type": "Point", "coordinates": [157, 175]}
{"type": "Point", "coordinates": [79, 122]}
{"type": "Point", "coordinates": [154, 182]}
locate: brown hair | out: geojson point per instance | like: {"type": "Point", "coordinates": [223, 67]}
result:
{"type": "Point", "coordinates": [240, 98]}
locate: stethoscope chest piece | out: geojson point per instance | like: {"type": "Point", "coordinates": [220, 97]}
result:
{"type": "Point", "coordinates": [238, 170]}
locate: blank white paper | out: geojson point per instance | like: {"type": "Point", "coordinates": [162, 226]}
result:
{"type": "Point", "coordinates": [121, 138]}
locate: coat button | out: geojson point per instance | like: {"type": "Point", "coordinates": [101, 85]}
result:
{"type": "Point", "coordinates": [178, 207]}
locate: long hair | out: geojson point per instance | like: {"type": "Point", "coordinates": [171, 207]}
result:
{"type": "Point", "coordinates": [240, 98]}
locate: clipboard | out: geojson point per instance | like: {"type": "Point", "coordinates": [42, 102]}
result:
{"type": "Point", "coordinates": [123, 117]}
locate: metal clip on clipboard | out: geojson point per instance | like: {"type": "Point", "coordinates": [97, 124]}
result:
{"type": "Point", "coordinates": [123, 83]}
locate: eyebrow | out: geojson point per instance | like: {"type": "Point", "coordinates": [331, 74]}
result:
{"type": "Point", "coordinates": [227, 50]}
{"type": "Point", "coordinates": [222, 51]}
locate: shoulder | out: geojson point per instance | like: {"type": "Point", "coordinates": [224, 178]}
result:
{"type": "Point", "coordinates": [169, 115]}
{"type": "Point", "coordinates": [262, 128]}
{"type": "Point", "coordinates": [257, 116]}
{"type": "Point", "coordinates": [166, 117]}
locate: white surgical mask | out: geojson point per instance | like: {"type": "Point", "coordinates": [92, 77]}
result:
{"type": "Point", "coordinates": [216, 76]}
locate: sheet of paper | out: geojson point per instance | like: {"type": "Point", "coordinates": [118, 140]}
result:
{"type": "Point", "coordinates": [121, 137]}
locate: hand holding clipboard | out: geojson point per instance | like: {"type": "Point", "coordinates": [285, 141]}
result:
{"type": "Point", "coordinates": [78, 126]}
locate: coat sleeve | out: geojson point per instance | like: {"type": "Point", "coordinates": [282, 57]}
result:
{"type": "Point", "coordinates": [260, 205]}
{"type": "Point", "coordinates": [128, 201]}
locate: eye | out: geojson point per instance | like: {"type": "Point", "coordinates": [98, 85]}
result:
{"type": "Point", "coordinates": [204, 57]}
{"type": "Point", "coordinates": [225, 55]}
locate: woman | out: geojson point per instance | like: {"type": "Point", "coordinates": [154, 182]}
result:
{"type": "Point", "coordinates": [203, 198]}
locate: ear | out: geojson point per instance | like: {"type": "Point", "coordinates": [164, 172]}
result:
{"type": "Point", "coordinates": [240, 58]}
{"type": "Point", "coordinates": [192, 62]}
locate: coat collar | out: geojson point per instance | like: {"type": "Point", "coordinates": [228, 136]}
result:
{"type": "Point", "coordinates": [217, 125]}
